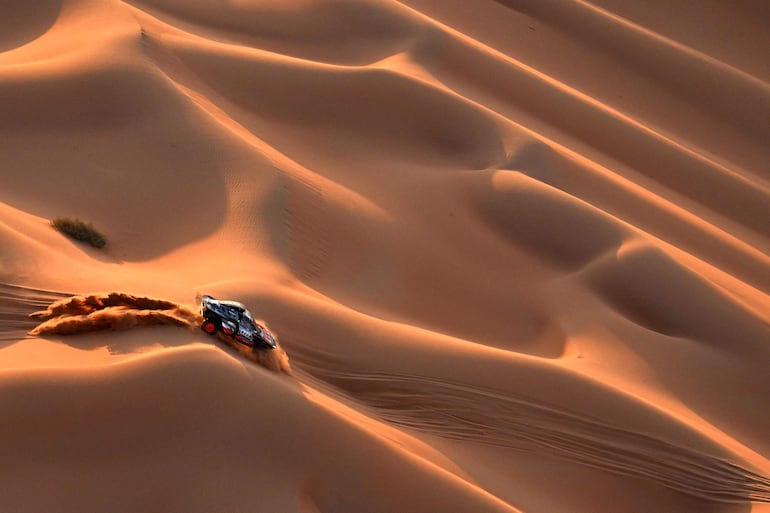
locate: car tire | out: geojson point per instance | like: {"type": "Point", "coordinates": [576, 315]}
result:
{"type": "Point", "coordinates": [209, 327]}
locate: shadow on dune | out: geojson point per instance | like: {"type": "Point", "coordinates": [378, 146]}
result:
{"type": "Point", "coordinates": [119, 311]}
{"type": "Point", "coordinates": [19, 27]}
{"type": "Point", "coordinates": [652, 289]}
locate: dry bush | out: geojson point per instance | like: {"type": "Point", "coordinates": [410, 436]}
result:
{"type": "Point", "coordinates": [79, 230]}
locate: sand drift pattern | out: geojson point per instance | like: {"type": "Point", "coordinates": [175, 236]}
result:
{"type": "Point", "coordinates": [15, 304]}
{"type": "Point", "coordinates": [120, 311]}
{"type": "Point", "coordinates": [473, 414]}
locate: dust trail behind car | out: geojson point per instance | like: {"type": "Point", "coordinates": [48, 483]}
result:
{"type": "Point", "coordinates": [121, 311]}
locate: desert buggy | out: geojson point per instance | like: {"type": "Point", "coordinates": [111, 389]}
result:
{"type": "Point", "coordinates": [235, 321]}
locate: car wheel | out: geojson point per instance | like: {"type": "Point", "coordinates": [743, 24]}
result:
{"type": "Point", "coordinates": [209, 327]}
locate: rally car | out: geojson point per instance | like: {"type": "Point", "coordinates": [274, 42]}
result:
{"type": "Point", "coordinates": [235, 321]}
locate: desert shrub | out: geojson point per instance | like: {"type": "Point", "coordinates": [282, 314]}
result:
{"type": "Point", "coordinates": [79, 230]}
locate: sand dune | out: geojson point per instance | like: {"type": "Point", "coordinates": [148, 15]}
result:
{"type": "Point", "coordinates": [516, 251]}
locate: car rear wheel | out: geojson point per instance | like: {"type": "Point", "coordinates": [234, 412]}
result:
{"type": "Point", "coordinates": [209, 327]}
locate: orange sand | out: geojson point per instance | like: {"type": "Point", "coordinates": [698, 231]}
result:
{"type": "Point", "coordinates": [515, 250]}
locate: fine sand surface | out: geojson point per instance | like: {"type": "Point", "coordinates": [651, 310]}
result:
{"type": "Point", "coordinates": [516, 253]}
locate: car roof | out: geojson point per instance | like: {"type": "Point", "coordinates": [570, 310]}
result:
{"type": "Point", "coordinates": [233, 304]}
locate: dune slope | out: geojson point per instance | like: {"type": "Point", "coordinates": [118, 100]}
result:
{"type": "Point", "coordinates": [516, 251]}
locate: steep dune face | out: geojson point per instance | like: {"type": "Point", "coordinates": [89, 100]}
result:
{"type": "Point", "coordinates": [321, 30]}
{"type": "Point", "coordinates": [446, 130]}
{"type": "Point", "coordinates": [517, 252]}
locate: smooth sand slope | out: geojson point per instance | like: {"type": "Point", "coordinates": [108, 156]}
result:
{"type": "Point", "coordinates": [516, 251]}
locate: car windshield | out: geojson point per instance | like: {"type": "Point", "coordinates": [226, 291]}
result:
{"type": "Point", "coordinates": [248, 320]}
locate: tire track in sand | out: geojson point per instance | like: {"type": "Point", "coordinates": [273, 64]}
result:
{"type": "Point", "coordinates": [307, 235]}
{"type": "Point", "coordinates": [463, 412]}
